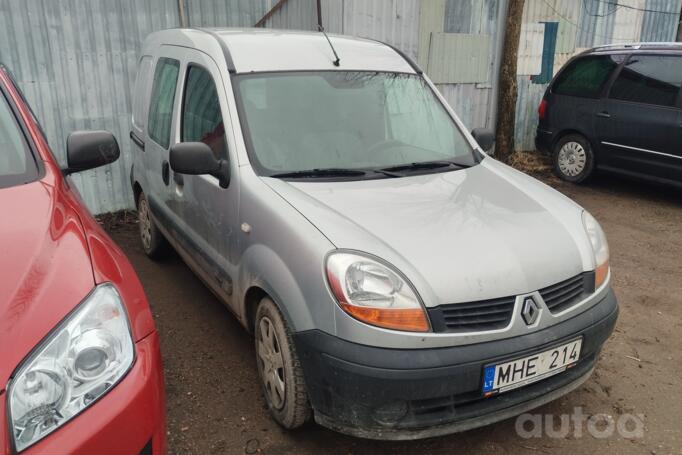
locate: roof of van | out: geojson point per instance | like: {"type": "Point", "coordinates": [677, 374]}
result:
{"type": "Point", "coordinates": [257, 50]}
{"type": "Point", "coordinates": [631, 47]}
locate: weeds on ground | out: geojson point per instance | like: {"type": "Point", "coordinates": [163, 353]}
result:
{"type": "Point", "coordinates": [533, 163]}
{"type": "Point", "coordinates": [115, 220]}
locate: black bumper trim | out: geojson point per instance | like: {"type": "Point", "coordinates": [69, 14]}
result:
{"type": "Point", "coordinates": [391, 434]}
{"type": "Point", "coordinates": [440, 388]}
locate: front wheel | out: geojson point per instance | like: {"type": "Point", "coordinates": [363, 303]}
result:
{"type": "Point", "coordinates": [279, 368]}
{"type": "Point", "coordinates": [573, 158]}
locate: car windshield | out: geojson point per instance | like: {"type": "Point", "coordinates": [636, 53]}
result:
{"type": "Point", "coordinates": [17, 165]}
{"type": "Point", "coordinates": [338, 123]}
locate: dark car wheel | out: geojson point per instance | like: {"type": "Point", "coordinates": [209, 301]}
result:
{"type": "Point", "coordinates": [279, 368]}
{"type": "Point", "coordinates": [153, 242]}
{"type": "Point", "coordinates": [573, 158]}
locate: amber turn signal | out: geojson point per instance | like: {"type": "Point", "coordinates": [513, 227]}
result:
{"type": "Point", "coordinates": [600, 274]}
{"type": "Point", "coordinates": [406, 319]}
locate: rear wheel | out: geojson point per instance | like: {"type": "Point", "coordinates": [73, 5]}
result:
{"type": "Point", "coordinates": [279, 368]}
{"type": "Point", "coordinates": [573, 158]}
{"type": "Point", "coordinates": [153, 242]}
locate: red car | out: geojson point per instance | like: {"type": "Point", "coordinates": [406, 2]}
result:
{"type": "Point", "coordinates": [80, 365]}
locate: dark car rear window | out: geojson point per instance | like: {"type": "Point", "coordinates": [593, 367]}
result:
{"type": "Point", "coordinates": [650, 79]}
{"type": "Point", "coordinates": [585, 77]}
{"type": "Point", "coordinates": [17, 164]}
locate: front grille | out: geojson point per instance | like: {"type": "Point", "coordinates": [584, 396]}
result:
{"type": "Point", "coordinates": [565, 294]}
{"type": "Point", "coordinates": [497, 313]}
{"type": "Point", "coordinates": [472, 317]}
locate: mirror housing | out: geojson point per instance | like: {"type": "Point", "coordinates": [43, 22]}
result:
{"type": "Point", "coordinates": [197, 158]}
{"type": "Point", "coordinates": [90, 149]}
{"type": "Point", "coordinates": [485, 138]}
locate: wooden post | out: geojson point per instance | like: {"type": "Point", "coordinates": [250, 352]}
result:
{"type": "Point", "coordinates": [507, 88]}
{"type": "Point", "coordinates": [184, 22]}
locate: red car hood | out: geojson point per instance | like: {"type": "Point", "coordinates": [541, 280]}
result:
{"type": "Point", "coordinates": [45, 268]}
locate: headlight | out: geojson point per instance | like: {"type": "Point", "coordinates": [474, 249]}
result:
{"type": "Point", "coordinates": [81, 360]}
{"type": "Point", "coordinates": [374, 293]}
{"type": "Point", "coordinates": [600, 247]}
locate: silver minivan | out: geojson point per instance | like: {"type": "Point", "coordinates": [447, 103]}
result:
{"type": "Point", "coordinates": [399, 282]}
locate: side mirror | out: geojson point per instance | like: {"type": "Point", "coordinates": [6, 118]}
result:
{"type": "Point", "coordinates": [484, 137]}
{"type": "Point", "coordinates": [197, 158]}
{"type": "Point", "coordinates": [90, 149]}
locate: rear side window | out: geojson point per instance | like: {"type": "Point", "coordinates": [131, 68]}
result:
{"type": "Point", "coordinates": [17, 165]}
{"type": "Point", "coordinates": [585, 76]}
{"type": "Point", "coordinates": [202, 120]}
{"type": "Point", "coordinates": [650, 79]}
{"type": "Point", "coordinates": [163, 97]}
{"type": "Point", "coordinates": [143, 70]}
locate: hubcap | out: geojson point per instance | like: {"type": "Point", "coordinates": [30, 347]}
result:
{"type": "Point", "coordinates": [271, 362]}
{"type": "Point", "coordinates": [572, 159]}
{"type": "Point", "coordinates": [145, 224]}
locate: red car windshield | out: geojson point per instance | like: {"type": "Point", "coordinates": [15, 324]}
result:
{"type": "Point", "coordinates": [17, 164]}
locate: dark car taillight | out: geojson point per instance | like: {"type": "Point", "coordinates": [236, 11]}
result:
{"type": "Point", "coordinates": [542, 109]}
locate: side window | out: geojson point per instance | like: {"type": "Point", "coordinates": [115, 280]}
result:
{"type": "Point", "coordinates": [161, 104]}
{"type": "Point", "coordinates": [202, 120]}
{"type": "Point", "coordinates": [17, 165]}
{"type": "Point", "coordinates": [143, 70]}
{"type": "Point", "coordinates": [585, 76]}
{"type": "Point", "coordinates": [650, 79]}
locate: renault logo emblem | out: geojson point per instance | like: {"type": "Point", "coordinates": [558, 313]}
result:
{"type": "Point", "coordinates": [530, 311]}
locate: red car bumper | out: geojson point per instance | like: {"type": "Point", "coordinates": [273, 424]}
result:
{"type": "Point", "coordinates": [127, 420]}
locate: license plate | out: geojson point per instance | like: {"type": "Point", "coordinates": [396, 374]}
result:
{"type": "Point", "coordinates": [506, 376]}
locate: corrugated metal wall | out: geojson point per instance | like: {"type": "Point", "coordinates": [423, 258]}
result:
{"type": "Point", "coordinates": [581, 25]}
{"type": "Point", "coordinates": [76, 62]}
{"type": "Point", "coordinates": [76, 59]}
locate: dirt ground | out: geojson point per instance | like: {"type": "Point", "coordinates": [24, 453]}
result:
{"type": "Point", "coordinates": [215, 403]}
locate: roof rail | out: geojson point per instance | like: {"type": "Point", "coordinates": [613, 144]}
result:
{"type": "Point", "coordinates": [638, 45]}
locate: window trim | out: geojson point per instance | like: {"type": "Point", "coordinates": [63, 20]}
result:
{"type": "Point", "coordinates": [678, 99]}
{"type": "Point", "coordinates": [188, 66]}
{"type": "Point", "coordinates": [29, 142]}
{"type": "Point", "coordinates": [149, 104]}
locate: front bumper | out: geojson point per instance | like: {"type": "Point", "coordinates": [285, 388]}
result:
{"type": "Point", "coordinates": [130, 419]}
{"type": "Point", "coordinates": [383, 393]}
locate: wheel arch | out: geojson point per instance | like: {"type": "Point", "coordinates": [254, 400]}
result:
{"type": "Point", "coordinates": [567, 132]}
{"type": "Point", "coordinates": [137, 190]}
{"type": "Point", "coordinates": [263, 273]}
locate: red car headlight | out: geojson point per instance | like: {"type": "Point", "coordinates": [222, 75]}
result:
{"type": "Point", "coordinates": [81, 360]}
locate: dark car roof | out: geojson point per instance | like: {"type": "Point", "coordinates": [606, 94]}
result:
{"type": "Point", "coordinates": [634, 48]}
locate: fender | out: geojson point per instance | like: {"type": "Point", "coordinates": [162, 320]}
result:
{"type": "Point", "coordinates": [262, 267]}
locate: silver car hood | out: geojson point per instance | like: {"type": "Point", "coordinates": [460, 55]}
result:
{"type": "Point", "coordinates": [480, 233]}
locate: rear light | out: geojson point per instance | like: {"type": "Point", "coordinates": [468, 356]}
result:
{"type": "Point", "coordinates": [542, 109]}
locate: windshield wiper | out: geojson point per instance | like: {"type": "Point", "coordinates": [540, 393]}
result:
{"type": "Point", "coordinates": [328, 172]}
{"type": "Point", "coordinates": [423, 166]}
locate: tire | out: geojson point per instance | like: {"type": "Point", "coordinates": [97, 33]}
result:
{"type": "Point", "coordinates": [153, 242]}
{"type": "Point", "coordinates": [279, 369]}
{"type": "Point", "coordinates": [573, 158]}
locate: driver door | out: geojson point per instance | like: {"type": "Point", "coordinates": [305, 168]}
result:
{"type": "Point", "coordinates": [206, 212]}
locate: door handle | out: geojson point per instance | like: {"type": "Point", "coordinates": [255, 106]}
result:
{"type": "Point", "coordinates": [603, 114]}
{"type": "Point", "coordinates": [178, 178]}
